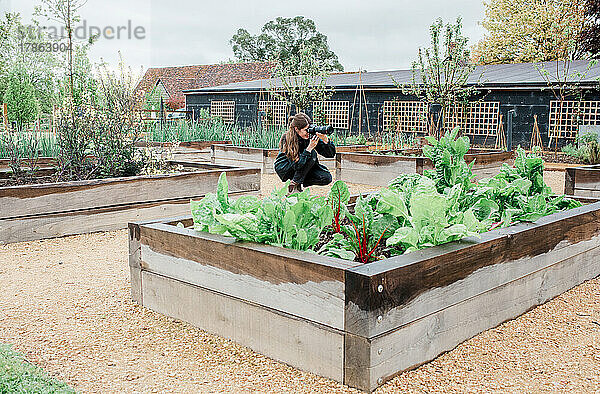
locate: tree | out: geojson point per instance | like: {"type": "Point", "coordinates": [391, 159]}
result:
{"type": "Point", "coordinates": [65, 12]}
{"type": "Point", "coordinates": [41, 67]}
{"type": "Point", "coordinates": [440, 74]}
{"type": "Point", "coordinates": [303, 84]}
{"type": "Point", "coordinates": [282, 40]}
{"type": "Point", "coordinates": [590, 36]}
{"type": "Point", "coordinates": [530, 31]}
{"type": "Point", "coordinates": [20, 99]}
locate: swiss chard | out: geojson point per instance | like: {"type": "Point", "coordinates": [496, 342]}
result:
{"type": "Point", "coordinates": [339, 195]}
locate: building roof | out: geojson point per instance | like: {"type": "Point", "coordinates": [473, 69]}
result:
{"type": "Point", "coordinates": [492, 75]}
{"type": "Point", "coordinates": [177, 79]}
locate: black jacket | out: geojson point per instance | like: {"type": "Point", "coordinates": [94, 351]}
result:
{"type": "Point", "coordinates": [285, 167]}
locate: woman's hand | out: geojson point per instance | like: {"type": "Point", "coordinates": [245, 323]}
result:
{"type": "Point", "coordinates": [323, 137]}
{"type": "Point", "coordinates": [314, 140]}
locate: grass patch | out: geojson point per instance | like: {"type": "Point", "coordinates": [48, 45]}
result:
{"type": "Point", "coordinates": [20, 376]}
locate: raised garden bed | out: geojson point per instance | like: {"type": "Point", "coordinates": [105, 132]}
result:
{"type": "Point", "coordinates": [360, 324]}
{"type": "Point", "coordinates": [263, 158]}
{"type": "Point", "coordinates": [379, 169]}
{"type": "Point", "coordinates": [188, 150]}
{"type": "Point", "coordinates": [49, 210]}
{"type": "Point", "coordinates": [583, 181]}
{"type": "Point", "coordinates": [41, 162]}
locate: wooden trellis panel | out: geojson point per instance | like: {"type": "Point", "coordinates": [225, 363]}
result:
{"type": "Point", "coordinates": [337, 113]}
{"type": "Point", "coordinates": [566, 117]}
{"type": "Point", "coordinates": [480, 119]}
{"type": "Point", "coordinates": [276, 113]}
{"type": "Point", "coordinates": [223, 109]}
{"type": "Point", "coordinates": [455, 116]}
{"type": "Point", "coordinates": [405, 116]}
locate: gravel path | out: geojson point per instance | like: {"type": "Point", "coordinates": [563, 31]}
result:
{"type": "Point", "coordinates": [65, 304]}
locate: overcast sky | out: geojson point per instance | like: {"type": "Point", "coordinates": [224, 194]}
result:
{"type": "Point", "coordinates": [374, 35]}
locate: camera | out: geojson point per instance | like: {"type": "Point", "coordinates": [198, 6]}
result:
{"type": "Point", "coordinates": [327, 129]}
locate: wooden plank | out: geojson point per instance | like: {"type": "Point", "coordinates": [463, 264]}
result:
{"type": "Point", "coordinates": [357, 362]}
{"type": "Point", "coordinates": [370, 169]}
{"type": "Point", "coordinates": [61, 224]}
{"type": "Point", "coordinates": [41, 161]}
{"type": "Point", "coordinates": [304, 345]}
{"type": "Point", "coordinates": [299, 283]}
{"type": "Point", "coordinates": [418, 284]}
{"type": "Point", "coordinates": [47, 198]}
{"type": "Point", "coordinates": [379, 170]}
{"type": "Point", "coordinates": [198, 145]}
{"type": "Point", "coordinates": [587, 178]}
{"type": "Point", "coordinates": [570, 181]}
{"type": "Point", "coordinates": [587, 193]}
{"type": "Point", "coordinates": [583, 181]}
{"type": "Point", "coordinates": [85, 221]}
{"type": "Point", "coordinates": [426, 338]}
{"type": "Point", "coordinates": [135, 262]}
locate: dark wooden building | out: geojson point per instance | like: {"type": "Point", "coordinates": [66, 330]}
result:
{"type": "Point", "coordinates": [510, 96]}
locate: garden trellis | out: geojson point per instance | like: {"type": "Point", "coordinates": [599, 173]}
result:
{"type": "Point", "coordinates": [478, 119]}
{"type": "Point", "coordinates": [566, 116]}
{"type": "Point", "coordinates": [337, 113]}
{"type": "Point", "coordinates": [224, 110]}
{"type": "Point", "coordinates": [474, 119]}
{"type": "Point", "coordinates": [405, 116]}
{"type": "Point", "coordinates": [275, 112]}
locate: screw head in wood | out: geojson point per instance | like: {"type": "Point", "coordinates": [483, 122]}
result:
{"type": "Point", "coordinates": [379, 319]}
{"type": "Point", "coordinates": [380, 351]}
{"type": "Point", "coordinates": [379, 381]}
{"type": "Point", "coordinates": [380, 288]}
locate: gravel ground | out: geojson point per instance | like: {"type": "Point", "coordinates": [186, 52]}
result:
{"type": "Point", "coordinates": [65, 305]}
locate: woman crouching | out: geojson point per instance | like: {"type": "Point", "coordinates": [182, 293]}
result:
{"type": "Point", "coordinates": [297, 159]}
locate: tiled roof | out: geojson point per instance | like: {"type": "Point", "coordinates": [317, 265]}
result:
{"type": "Point", "coordinates": [489, 76]}
{"type": "Point", "coordinates": [177, 79]}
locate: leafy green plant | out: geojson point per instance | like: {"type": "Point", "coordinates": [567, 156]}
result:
{"type": "Point", "coordinates": [586, 148]}
{"type": "Point", "coordinates": [448, 157]}
{"type": "Point", "coordinates": [338, 197]}
{"type": "Point", "coordinates": [291, 221]}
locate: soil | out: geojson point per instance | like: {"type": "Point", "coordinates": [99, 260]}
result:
{"type": "Point", "coordinates": [35, 180]}
{"type": "Point", "coordinates": [560, 157]}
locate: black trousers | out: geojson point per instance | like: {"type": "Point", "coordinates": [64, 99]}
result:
{"type": "Point", "coordinates": [316, 174]}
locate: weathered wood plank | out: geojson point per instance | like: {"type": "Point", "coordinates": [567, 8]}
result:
{"type": "Point", "coordinates": [85, 221]}
{"type": "Point", "coordinates": [299, 283]}
{"type": "Point", "coordinates": [310, 347]}
{"type": "Point", "coordinates": [29, 200]}
{"type": "Point", "coordinates": [583, 181]}
{"type": "Point", "coordinates": [416, 284]}
{"type": "Point", "coordinates": [135, 262]}
{"type": "Point", "coordinates": [424, 339]}
{"type": "Point", "coordinates": [570, 181]}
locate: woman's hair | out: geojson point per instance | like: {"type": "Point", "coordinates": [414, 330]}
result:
{"type": "Point", "coordinates": [289, 141]}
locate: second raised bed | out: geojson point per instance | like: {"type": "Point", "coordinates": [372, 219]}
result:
{"type": "Point", "coordinates": [379, 169]}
